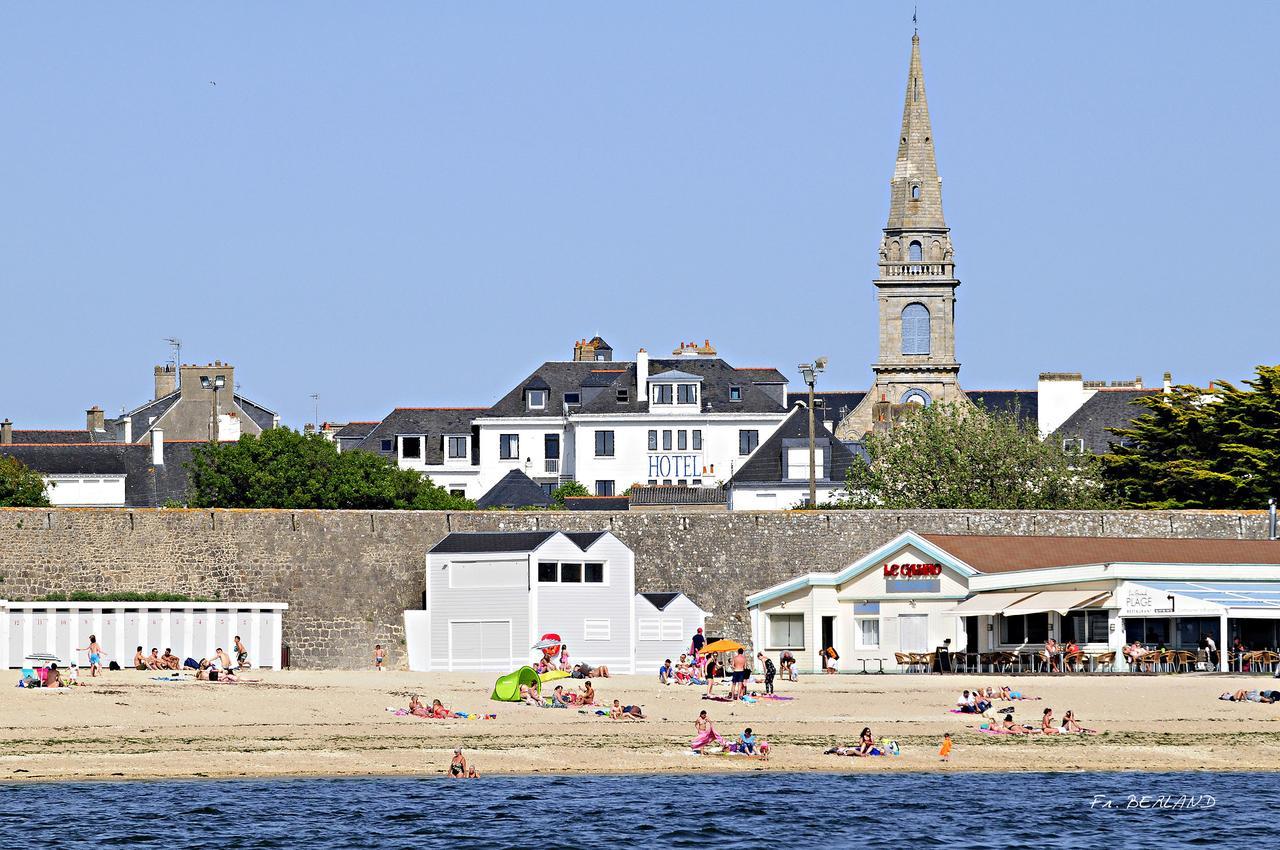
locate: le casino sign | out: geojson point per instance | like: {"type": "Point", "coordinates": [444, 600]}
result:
{"type": "Point", "coordinates": [912, 570]}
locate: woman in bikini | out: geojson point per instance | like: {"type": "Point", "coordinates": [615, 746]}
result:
{"type": "Point", "coordinates": [416, 708]}
{"type": "Point", "coordinates": [1007, 725]}
{"type": "Point", "coordinates": [1046, 723]}
{"type": "Point", "coordinates": [1069, 724]}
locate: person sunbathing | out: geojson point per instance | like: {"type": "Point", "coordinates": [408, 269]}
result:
{"type": "Point", "coordinates": [1069, 724]}
{"type": "Point", "coordinates": [1007, 725]}
{"type": "Point", "coordinates": [53, 679]}
{"type": "Point", "coordinates": [1246, 696]}
{"type": "Point", "coordinates": [439, 712]}
{"type": "Point", "coordinates": [416, 708]}
{"type": "Point", "coordinates": [529, 695]}
{"type": "Point", "coordinates": [1046, 723]}
{"type": "Point", "coordinates": [202, 672]}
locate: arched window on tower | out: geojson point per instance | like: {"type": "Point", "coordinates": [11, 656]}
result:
{"type": "Point", "coordinates": [915, 192]}
{"type": "Point", "coordinates": [915, 252]}
{"type": "Point", "coordinates": [915, 329]}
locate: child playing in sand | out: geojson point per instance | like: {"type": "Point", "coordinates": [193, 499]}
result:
{"type": "Point", "coordinates": [945, 749]}
{"type": "Point", "coordinates": [379, 657]}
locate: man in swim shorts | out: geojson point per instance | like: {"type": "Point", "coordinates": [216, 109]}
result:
{"type": "Point", "coordinates": [738, 689]}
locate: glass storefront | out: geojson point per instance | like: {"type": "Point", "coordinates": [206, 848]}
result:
{"type": "Point", "coordinates": [1171, 632]}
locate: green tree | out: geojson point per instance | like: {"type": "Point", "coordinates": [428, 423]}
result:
{"type": "Point", "coordinates": [282, 468]}
{"type": "Point", "coordinates": [949, 456]}
{"type": "Point", "coordinates": [20, 485]}
{"type": "Point", "coordinates": [1196, 449]}
{"type": "Point", "coordinates": [565, 490]}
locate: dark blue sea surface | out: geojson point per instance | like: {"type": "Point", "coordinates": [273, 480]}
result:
{"type": "Point", "coordinates": [958, 810]}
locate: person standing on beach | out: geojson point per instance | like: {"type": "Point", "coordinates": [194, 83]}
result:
{"type": "Point", "coordinates": [698, 641]}
{"type": "Point", "coordinates": [242, 654]}
{"type": "Point", "coordinates": [739, 687]}
{"type": "Point", "coordinates": [95, 655]}
{"type": "Point", "coordinates": [1211, 652]}
{"type": "Point", "coordinates": [379, 657]}
{"type": "Point", "coordinates": [945, 749]}
{"type": "Point", "coordinates": [770, 671]}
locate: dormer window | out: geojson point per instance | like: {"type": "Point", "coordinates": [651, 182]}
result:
{"type": "Point", "coordinates": [536, 399]}
{"type": "Point", "coordinates": [624, 396]}
{"type": "Point", "coordinates": [735, 393]}
{"type": "Point", "coordinates": [411, 447]}
{"type": "Point", "coordinates": [572, 399]}
{"type": "Point", "coordinates": [686, 393]}
{"type": "Point", "coordinates": [662, 393]}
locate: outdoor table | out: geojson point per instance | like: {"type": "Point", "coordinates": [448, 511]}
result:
{"type": "Point", "coordinates": [879, 665]}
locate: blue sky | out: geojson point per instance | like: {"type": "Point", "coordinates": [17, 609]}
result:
{"type": "Point", "coordinates": [414, 204]}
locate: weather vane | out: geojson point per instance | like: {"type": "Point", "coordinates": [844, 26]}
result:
{"type": "Point", "coordinates": [915, 23]}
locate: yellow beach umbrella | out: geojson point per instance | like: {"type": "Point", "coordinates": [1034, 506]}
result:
{"type": "Point", "coordinates": [722, 646]}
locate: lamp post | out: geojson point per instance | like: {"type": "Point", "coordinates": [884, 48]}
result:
{"type": "Point", "coordinates": [215, 383]}
{"type": "Point", "coordinates": [809, 371]}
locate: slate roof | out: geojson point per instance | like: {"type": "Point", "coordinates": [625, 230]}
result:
{"type": "Point", "coordinates": [514, 490]}
{"type": "Point", "coordinates": [146, 485]}
{"type": "Point", "coordinates": [354, 430]}
{"type": "Point", "coordinates": [597, 503]}
{"type": "Point", "coordinates": [1105, 409]}
{"type": "Point", "coordinates": [144, 415]}
{"type": "Point", "coordinates": [1025, 402]}
{"type": "Point", "coordinates": [431, 421]}
{"type": "Point", "coordinates": [57, 435]}
{"type": "Point", "coordinates": [827, 404]}
{"type": "Point", "coordinates": [998, 554]}
{"type": "Point", "coordinates": [660, 600]}
{"type": "Point", "coordinates": [765, 466]}
{"type": "Point", "coordinates": [481, 542]}
{"type": "Point", "coordinates": [262, 417]}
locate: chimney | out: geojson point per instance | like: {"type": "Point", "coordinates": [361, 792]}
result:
{"type": "Point", "coordinates": [1137, 382]}
{"type": "Point", "coordinates": [166, 380]}
{"type": "Point", "coordinates": [157, 447]}
{"type": "Point", "coordinates": [126, 425]}
{"type": "Point", "coordinates": [642, 375]}
{"type": "Point", "coordinates": [1168, 382]}
{"type": "Point", "coordinates": [6, 432]}
{"type": "Point", "coordinates": [95, 419]}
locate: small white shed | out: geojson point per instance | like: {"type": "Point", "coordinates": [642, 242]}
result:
{"type": "Point", "coordinates": [665, 626]}
{"type": "Point", "coordinates": [492, 595]}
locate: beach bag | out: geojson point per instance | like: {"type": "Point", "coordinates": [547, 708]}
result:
{"type": "Point", "coordinates": [114, 665]}
{"type": "Point", "coordinates": [213, 675]}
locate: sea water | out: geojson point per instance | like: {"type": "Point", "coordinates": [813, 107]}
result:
{"type": "Point", "coordinates": [789, 810]}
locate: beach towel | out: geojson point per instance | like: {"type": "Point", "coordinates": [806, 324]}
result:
{"type": "Point", "coordinates": [453, 715]}
{"type": "Point", "coordinates": [777, 698]}
{"type": "Point", "coordinates": [717, 698]}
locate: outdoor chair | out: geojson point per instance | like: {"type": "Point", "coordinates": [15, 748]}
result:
{"type": "Point", "coordinates": [1073, 662]}
{"type": "Point", "coordinates": [1183, 661]}
{"type": "Point", "coordinates": [1266, 661]}
{"type": "Point", "coordinates": [904, 661]}
{"type": "Point", "coordinates": [1104, 660]}
{"type": "Point", "coordinates": [1149, 661]}
{"type": "Point", "coordinates": [1004, 661]}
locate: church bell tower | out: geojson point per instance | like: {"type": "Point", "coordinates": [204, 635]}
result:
{"type": "Point", "coordinates": [916, 288]}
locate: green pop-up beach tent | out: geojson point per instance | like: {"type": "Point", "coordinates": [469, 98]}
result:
{"type": "Point", "coordinates": [507, 688]}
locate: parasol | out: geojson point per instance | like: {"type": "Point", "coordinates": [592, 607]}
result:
{"type": "Point", "coordinates": [724, 645]}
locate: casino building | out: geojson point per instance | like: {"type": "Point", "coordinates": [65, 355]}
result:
{"type": "Point", "coordinates": [1009, 594]}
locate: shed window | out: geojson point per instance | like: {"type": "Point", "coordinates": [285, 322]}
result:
{"type": "Point", "coordinates": [595, 629]}
{"type": "Point", "coordinates": [571, 573]}
{"type": "Point", "coordinates": [786, 631]}
{"type": "Point", "coordinates": [915, 329]}
{"type": "Point", "coordinates": [594, 574]}
{"type": "Point", "coordinates": [547, 571]}
{"type": "Point", "coordinates": [649, 628]}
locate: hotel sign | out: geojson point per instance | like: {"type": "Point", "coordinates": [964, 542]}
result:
{"type": "Point", "coordinates": [675, 466]}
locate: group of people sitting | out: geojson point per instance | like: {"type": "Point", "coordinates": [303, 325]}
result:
{"type": "Point", "coordinates": [1251, 696]}
{"type": "Point", "coordinates": [707, 739]}
{"type": "Point", "coordinates": [437, 709]}
{"type": "Point", "coordinates": [866, 747]}
{"type": "Point", "coordinates": [1048, 726]}
{"type": "Point", "coordinates": [559, 697]}
{"type": "Point", "coordinates": [582, 670]}
{"type": "Point", "coordinates": [979, 700]}
{"type": "Point", "coordinates": [155, 661]}
{"type": "Point", "coordinates": [702, 669]}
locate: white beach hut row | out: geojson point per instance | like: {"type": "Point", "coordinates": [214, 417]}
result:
{"type": "Point", "coordinates": [190, 629]}
{"type": "Point", "coordinates": [492, 595]}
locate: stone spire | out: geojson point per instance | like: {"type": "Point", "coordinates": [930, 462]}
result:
{"type": "Point", "coordinates": [916, 200]}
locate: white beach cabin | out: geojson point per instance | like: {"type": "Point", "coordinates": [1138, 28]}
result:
{"type": "Point", "coordinates": [492, 595]}
{"type": "Point", "coordinates": [665, 625]}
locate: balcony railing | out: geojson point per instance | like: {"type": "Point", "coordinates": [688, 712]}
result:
{"type": "Point", "coordinates": [916, 269]}
{"type": "Point", "coordinates": [552, 466]}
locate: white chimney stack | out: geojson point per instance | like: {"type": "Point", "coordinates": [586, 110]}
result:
{"type": "Point", "coordinates": [642, 375]}
{"type": "Point", "coordinates": [127, 424]}
{"type": "Point", "coordinates": [157, 447]}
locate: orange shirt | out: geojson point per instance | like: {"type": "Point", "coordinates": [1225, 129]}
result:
{"type": "Point", "coordinates": [946, 748]}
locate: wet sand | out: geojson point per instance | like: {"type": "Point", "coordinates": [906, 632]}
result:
{"type": "Point", "coordinates": [125, 726]}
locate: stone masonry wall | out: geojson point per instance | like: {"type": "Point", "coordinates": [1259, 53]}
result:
{"type": "Point", "coordinates": [348, 575]}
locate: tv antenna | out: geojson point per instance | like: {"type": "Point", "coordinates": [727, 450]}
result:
{"type": "Point", "coordinates": [176, 345]}
{"type": "Point", "coordinates": [315, 397]}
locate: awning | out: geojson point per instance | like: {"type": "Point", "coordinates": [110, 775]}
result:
{"type": "Point", "coordinates": [989, 603]}
{"type": "Point", "coordinates": [1061, 601]}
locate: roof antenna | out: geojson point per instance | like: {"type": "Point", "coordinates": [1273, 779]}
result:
{"type": "Point", "coordinates": [176, 345]}
{"type": "Point", "coordinates": [915, 23]}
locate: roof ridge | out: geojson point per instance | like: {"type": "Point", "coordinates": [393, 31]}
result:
{"type": "Point", "coordinates": [394, 409]}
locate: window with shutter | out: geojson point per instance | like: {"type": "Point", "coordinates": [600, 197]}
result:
{"type": "Point", "coordinates": [915, 329]}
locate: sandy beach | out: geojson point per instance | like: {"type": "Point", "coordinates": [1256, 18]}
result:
{"type": "Point", "coordinates": [126, 726]}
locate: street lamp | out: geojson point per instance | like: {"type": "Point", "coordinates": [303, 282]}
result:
{"type": "Point", "coordinates": [809, 371]}
{"type": "Point", "coordinates": [215, 383]}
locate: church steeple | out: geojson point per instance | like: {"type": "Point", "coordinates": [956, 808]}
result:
{"type": "Point", "coordinates": [916, 199]}
{"type": "Point", "coordinates": [916, 288]}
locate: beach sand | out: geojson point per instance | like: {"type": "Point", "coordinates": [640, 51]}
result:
{"type": "Point", "coordinates": [126, 726]}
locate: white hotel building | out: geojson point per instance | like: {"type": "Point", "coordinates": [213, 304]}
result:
{"type": "Point", "coordinates": [688, 419]}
